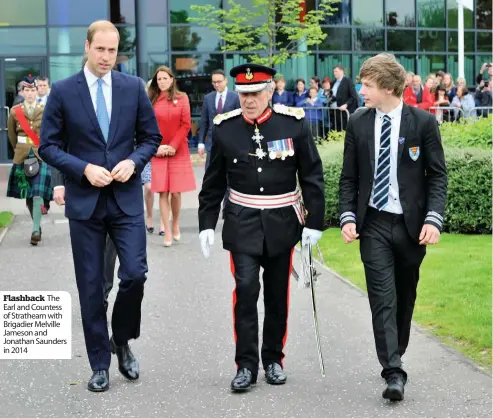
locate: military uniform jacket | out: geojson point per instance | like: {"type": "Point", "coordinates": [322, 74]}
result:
{"type": "Point", "coordinates": [421, 169]}
{"type": "Point", "coordinates": [18, 138]}
{"type": "Point", "coordinates": [234, 161]}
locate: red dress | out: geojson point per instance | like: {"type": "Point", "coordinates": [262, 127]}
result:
{"type": "Point", "coordinates": [173, 174]}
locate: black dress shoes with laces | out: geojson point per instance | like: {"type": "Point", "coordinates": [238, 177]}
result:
{"type": "Point", "coordinates": [100, 381]}
{"type": "Point", "coordinates": [395, 388]}
{"type": "Point", "coordinates": [127, 363]}
{"type": "Point", "coordinates": [243, 381]}
{"type": "Point", "coordinates": [275, 375]}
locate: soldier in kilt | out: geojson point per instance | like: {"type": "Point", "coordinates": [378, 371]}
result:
{"type": "Point", "coordinates": [30, 177]}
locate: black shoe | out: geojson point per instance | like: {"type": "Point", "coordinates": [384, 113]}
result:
{"type": "Point", "coordinates": [243, 381]}
{"type": "Point", "coordinates": [275, 375]}
{"type": "Point", "coordinates": [395, 388]}
{"type": "Point", "coordinates": [35, 237]}
{"type": "Point", "coordinates": [100, 381]}
{"type": "Point", "coordinates": [127, 363]}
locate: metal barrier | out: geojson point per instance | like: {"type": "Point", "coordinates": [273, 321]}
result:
{"type": "Point", "coordinates": [322, 119]}
{"type": "Point", "coordinates": [447, 113]}
{"type": "Point", "coordinates": [482, 111]}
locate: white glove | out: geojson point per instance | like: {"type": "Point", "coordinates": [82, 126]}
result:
{"type": "Point", "coordinates": [206, 241]}
{"type": "Point", "coordinates": [309, 235]}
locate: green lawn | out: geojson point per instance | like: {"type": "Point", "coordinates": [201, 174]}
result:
{"type": "Point", "coordinates": [454, 291]}
{"type": "Point", "coordinates": [5, 218]}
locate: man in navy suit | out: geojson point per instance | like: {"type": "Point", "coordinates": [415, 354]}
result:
{"type": "Point", "coordinates": [220, 101]}
{"type": "Point", "coordinates": [99, 130]}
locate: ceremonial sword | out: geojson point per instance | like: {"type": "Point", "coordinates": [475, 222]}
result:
{"type": "Point", "coordinates": [312, 274]}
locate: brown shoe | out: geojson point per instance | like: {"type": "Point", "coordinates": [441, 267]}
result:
{"type": "Point", "coordinates": [35, 238]}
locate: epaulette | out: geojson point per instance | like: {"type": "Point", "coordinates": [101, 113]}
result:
{"type": "Point", "coordinates": [223, 116]}
{"type": "Point", "coordinates": [298, 113]}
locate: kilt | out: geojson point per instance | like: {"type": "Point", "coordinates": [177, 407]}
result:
{"type": "Point", "coordinates": [39, 185]}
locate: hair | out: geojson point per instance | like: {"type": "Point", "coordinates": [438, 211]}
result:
{"type": "Point", "coordinates": [451, 79]}
{"type": "Point", "coordinates": [462, 90]}
{"type": "Point", "coordinates": [326, 79]}
{"type": "Point", "coordinates": [313, 88]}
{"type": "Point", "coordinates": [100, 26]}
{"type": "Point", "coordinates": [300, 80]}
{"type": "Point", "coordinates": [431, 77]}
{"type": "Point", "coordinates": [154, 91]}
{"type": "Point", "coordinates": [440, 74]}
{"type": "Point", "coordinates": [316, 79]}
{"type": "Point", "coordinates": [340, 67]}
{"type": "Point", "coordinates": [461, 79]}
{"type": "Point", "coordinates": [386, 72]}
{"type": "Point", "coordinates": [280, 78]}
{"type": "Point", "coordinates": [220, 72]}
{"type": "Point", "coordinates": [43, 78]}
{"type": "Point", "coordinates": [410, 74]}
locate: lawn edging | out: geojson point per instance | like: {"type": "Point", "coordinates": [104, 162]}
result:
{"type": "Point", "coordinates": [4, 230]}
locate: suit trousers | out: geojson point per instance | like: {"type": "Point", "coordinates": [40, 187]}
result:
{"type": "Point", "coordinates": [88, 248]}
{"type": "Point", "coordinates": [391, 258]}
{"type": "Point", "coordinates": [277, 270]}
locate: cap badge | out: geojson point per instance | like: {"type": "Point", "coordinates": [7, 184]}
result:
{"type": "Point", "coordinates": [249, 74]}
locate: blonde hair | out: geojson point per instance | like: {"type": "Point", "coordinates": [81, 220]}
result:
{"type": "Point", "coordinates": [386, 72]}
{"type": "Point", "coordinates": [100, 26]}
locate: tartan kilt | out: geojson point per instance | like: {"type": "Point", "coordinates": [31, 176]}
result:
{"type": "Point", "coordinates": [39, 185]}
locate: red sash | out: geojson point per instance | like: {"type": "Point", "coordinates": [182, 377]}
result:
{"type": "Point", "coordinates": [19, 113]}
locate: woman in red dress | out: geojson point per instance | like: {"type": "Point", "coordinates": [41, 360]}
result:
{"type": "Point", "coordinates": [172, 171]}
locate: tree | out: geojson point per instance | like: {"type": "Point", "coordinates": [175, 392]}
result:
{"type": "Point", "coordinates": [272, 31]}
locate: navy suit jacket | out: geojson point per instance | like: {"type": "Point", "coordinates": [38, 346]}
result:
{"type": "Point", "coordinates": [209, 112]}
{"type": "Point", "coordinates": [71, 138]}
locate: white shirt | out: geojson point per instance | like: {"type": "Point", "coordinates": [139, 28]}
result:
{"type": "Point", "coordinates": [223, 94]}
{"type": "Point", "coordinates": [92, 83]}
{"type": "Point", "coordinates": [42, 99]}
{"type": "Point", "coordinates": [394, 203]}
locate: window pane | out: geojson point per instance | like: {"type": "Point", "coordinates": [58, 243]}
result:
{"type": "Point", "coordinates": [194, 38]}
{"type": "Point", "coordinates": [453, 16]}
{"type": "Point", "coordinates": [431, 13]}
{"type": "Point", "coordinates": [483, 14]}
{"type": "Point", "coordinates": [16, 41]}
{"type": "Point", "coordinates": [180, 9]}
{"type": "Point", "coordinates": [368, 40]}
{"type": "Point", "coordinates": [337, 39]}
{"type": "Point", "coordinates": [484, 41]}
{"type": "Point", "coordinates": [326, 64]}
{"type": "Point", "coordinates": [127, 38]}
{"type": "Point", "coordinates": [123, 11]}
{"type": "Point", "coordinates": [367, 13]}
{"type": "Point", "coordinates": [64, 66]}
{"type": "Point", "coordinates": [453, 68]}
{"type": "Point", "coordinates": [193, 75]}
{"type": "Point", "coordinates": [480, 60]}
{"type": "Point", "coordinates": [431, 40]}
{"type": "Point", "coordinates": [342, 16]}
{"type": "Point", "coordinates": [407, 61]}
{"type": "Point", "coordinates": [13, 12]}
{"type": "Point", "coordinates": [157, 38]}
{"type": "Point", "coordinates": [294, 68]}
{"type": "Point", "coordinates": [157, 60]}
{"type": "Point", "coordinates": [430, 64]}
{"type": "Point", "coordinates": [63, 12]}
{"type": "Point", "coordinates": [400, 13]}
{"type": "Point", "coordinates": [67, 40]}
{"type": "Point", "coordinates": [453, 42]}
{"type": "Point", "coordinates": [401, 40]}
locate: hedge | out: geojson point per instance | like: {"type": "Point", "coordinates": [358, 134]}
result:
{"type": "Point", "coordinates": [468, 207]}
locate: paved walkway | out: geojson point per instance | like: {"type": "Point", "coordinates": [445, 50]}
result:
{"type": "Point", "coordinates": [186, 348]}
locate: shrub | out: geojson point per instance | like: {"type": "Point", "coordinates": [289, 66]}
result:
{"type": "Point", "coordinates": [468, 207]}
{"type": "Point", "coordinates": [469, 134]}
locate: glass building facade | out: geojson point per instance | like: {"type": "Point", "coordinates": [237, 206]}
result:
{"type": "Point", "coordinates": [47, 37]}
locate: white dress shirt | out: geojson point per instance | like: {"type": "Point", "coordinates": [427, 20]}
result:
{"type": "Point", "coordinates": [42, 100]}
{"type": "Point", "coordinates": [92, 83]}
{"type": "Point", "coordinates": [394, 203]}
{"type": "Point", "coordinates": [223, 94]}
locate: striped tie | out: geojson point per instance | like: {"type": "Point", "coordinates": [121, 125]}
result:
{"type": "Point", "coordinates": [382, 177]}
{"type": "Point", "coordinates": [101, 111]}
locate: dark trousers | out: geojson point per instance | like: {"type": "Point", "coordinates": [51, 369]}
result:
{"type": "Point", "coordinates": [88, 248]}
{"type": "Point", "coordinates": [392, 260]}
{"type": "Point", "coordinates": [246, 269]}
{"type": "Point", "coordinates": [109, 268]}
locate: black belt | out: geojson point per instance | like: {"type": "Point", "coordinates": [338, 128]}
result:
{"type": "Point", "coordinates": [389, 216]}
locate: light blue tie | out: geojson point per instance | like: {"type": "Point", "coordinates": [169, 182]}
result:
{"type": "Point", "coordinates": [101, 111]}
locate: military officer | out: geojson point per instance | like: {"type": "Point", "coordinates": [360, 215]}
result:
{"type": "Point", "coordinates": [29, 178]}
{"type": "Point", "coordinates": [260, 151]}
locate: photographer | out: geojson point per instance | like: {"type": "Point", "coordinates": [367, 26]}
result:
{"type": "Point", "coordinates": [484, 67]}
{"type": "Point", "coordinates": [483, 98]}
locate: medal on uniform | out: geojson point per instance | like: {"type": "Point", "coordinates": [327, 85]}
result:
{"type": "Point", "coordinates": [257, 137]}
{"type": "Point", "coordinates": [280, 149]}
